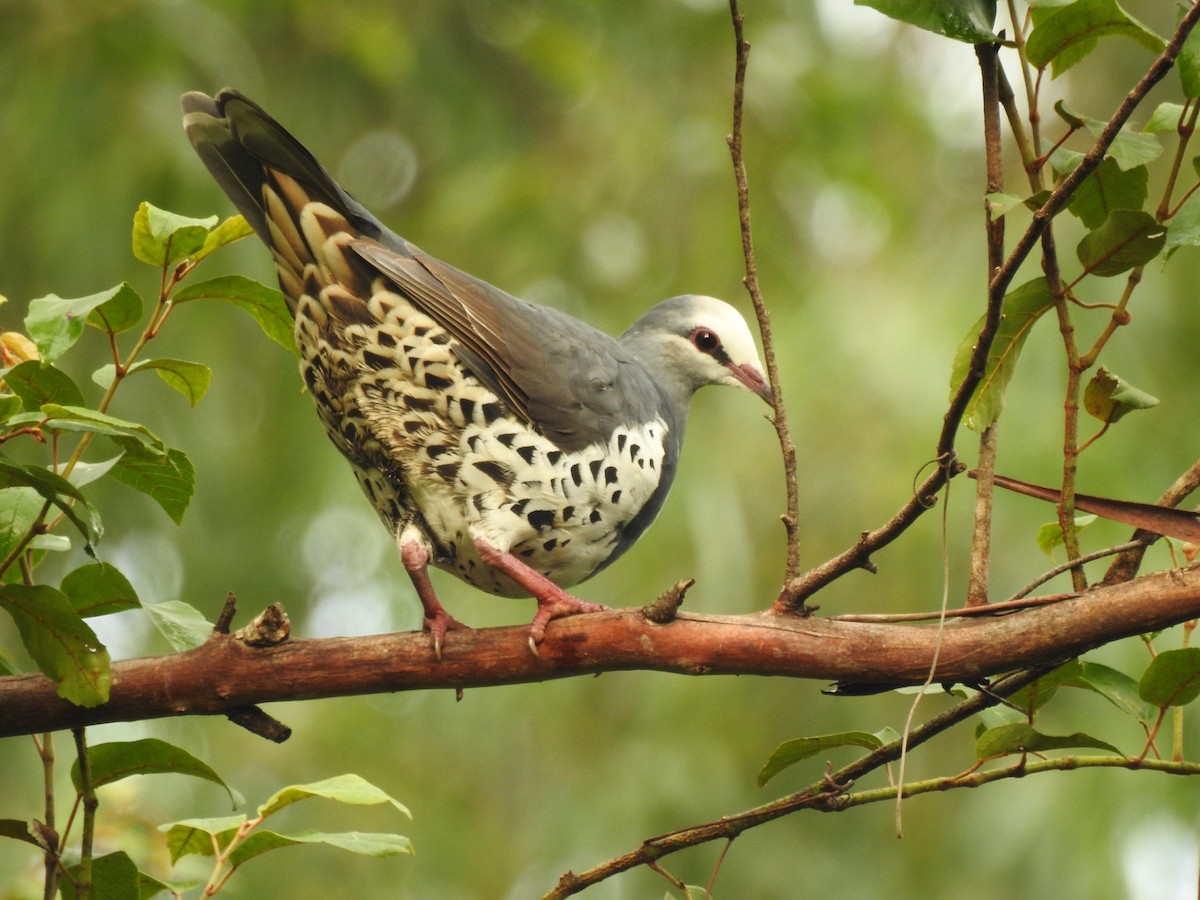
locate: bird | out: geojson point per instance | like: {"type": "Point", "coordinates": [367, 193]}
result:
{"type": "Point", "coordinates": [503, 441]}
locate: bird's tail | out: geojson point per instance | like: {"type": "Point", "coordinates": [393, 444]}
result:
{"type": "Point", "coordinates": [242, 146]}
{"type": "Point", "coordinates": [288, 198]}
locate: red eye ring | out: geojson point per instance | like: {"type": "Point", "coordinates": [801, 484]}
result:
{"type": "Point", "coordinates": [706, 341]}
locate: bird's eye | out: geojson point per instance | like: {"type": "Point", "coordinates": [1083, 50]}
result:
{"type": "Point", "coordinates": [706, 341]}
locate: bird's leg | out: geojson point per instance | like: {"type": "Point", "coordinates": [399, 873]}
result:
{"type": "Point", "coordinates": [415, 556]}
{"type": "Point", "coordinates": [553, 602]}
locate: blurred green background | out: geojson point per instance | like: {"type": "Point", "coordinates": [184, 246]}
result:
{"type": "Point", "coordinates": [574, 154]}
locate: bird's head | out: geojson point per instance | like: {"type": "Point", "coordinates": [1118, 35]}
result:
{"type": "Point", "coordinates": [692, 341]}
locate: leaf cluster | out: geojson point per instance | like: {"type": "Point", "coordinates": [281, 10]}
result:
{"type": "Point", "coordinates": [45, 508]}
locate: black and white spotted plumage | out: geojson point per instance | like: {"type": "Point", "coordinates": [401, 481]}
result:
{"type": "Point", "coordinates": [506, 442]}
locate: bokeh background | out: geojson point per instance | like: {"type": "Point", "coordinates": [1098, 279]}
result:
{"type": "Point", "coordinates": [573, 153]}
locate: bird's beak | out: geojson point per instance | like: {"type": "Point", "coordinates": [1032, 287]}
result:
{"type": "Point", "coordinates": [754, 381]}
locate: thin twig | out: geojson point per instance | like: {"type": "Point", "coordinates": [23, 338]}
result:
{"type": "Point", "coordinates": [859, 555]}
{"type": "Point", "coordinates": [87, 793]}
{"type": "Point", "coordinates": [966, 612]}
{"type": "Point", "coordinates": [981, 536]}
{"type": "Point", "coordinates": [792, 516]}
{"type": "Point", "coordinates": [1125, 566]}
{"type": "Point", "coordinates": [828, 794]}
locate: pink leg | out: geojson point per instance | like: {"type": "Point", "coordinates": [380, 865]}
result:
{"type": "Point", "coordinates": [553, 602]}
{"type": "Point", "coordinates": [415, 556]}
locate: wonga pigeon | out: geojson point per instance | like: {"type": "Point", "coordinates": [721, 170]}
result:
{"type": "Point", "coordinates": [505, 442]}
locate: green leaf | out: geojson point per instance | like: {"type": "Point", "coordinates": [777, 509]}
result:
{"type": "Point", "coordinates": [194, 836]}
{"type": "Point", "coordinates": [1108, 397]}
{"type": "Point", "coordinates": [119, 313]}
{"type": "Point", "coordinates": [17, 830]}
{"type": "Point", "coordinates": [1188, 64]}
{"type": "Point", "coordinates": [1107, 189]}
{"type": "Point", "coordinates": [58, 491]}
{"type": "Point", "coordinates": [1069, 33]}
{"type": "Point", "coordinates": [114, 877]}
{"type": "Point", "coordinates": [1021, 308]}
{"type": "Point", "coordinates": [58, 543]}
{"type": "Point", "coordinates": [1021, 737]}
{"type": "Point", "coordinates": [10, 405]}
{"type": "Point", "coordinates": [1050, 535]}
{"type": "Point", "coordinates": [964, 20]}
{"type": "Point", "coordinates": [360, 842]}
{"type": "Point", "coordinates": [1172, 678]}
{"type": "Point", "coordinates": [55, 323]}
{"type": "Point", "coordinates": [791, 752]}
{"type": "Point", "coordinates": [349, 788]}
{"type": "Point", "coordinates": [1183, 228]}
{"type": "Point", "coordinates": [169, 478]}
{"type": "Point", "coordinates": [65, 649]}
{"type": "Point", "coordinates": [1129, 149]}
{"type": "Point", "coordinates": [999, 204]}
{"type": "Point", "coordinates": [119, 759]}
{"type": "Point", "coordinates": [1116, 687]}
{"type": "Point", "coordinates": [99, 589]}
{"type": "Point", "coordinates": [37, 382]}
{"type": "Point", "coordinates": [266, 304]}
{"type": "Point", "coordinates": [80, 418]}
{"type": "Point", "coordinates": [232, 229]}
{"type": "Point", "coordinates": [163, 238]}
{"type": "Point", "coordinates": [182, 625]}
{"type": "Point", "coordinates": [1127, 239]}
{"type": "Point", "coordinates": [1034, 696]}
{"type": "Point", "coordinates": [19, 510]}
{"type": "Point", "coordinates": [85, 473]}
{"type": "Point", "coordinates": [189, 378]}
{"type": "Point", "coordinates": [1166, 117]}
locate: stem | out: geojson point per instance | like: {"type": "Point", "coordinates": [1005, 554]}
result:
{"type": "Point", "coordinates": [978, 778]}
{"type": "Point", "coordinates": [791, 517]}
{"type": "Point", "coordinates": [859, 555]}
{"type": "Point", "coordinates": [45, 749]}
{"type": "Point", "coordinates": [162, 309]}
{"type": "Point", "coordinates": [87, 791]}
{"type": "Point", "coordinates": [981, 536]}
{"type": "Point", "coordinates": [827, 795]}
{"type": "Point", "coordinates": [1186, 128]}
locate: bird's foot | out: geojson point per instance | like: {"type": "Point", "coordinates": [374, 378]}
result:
{"type": "Point", "coordinates": [556, 605]}
{"type": "Point", "coordinates": [437, 622]}
{"type": "Point", "coordinates": [553, 602]}
{"type": "Point", "coordinates": [415, 556]}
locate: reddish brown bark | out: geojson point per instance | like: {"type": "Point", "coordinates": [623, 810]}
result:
{"type": "Point", "coordinates": [225, 674]}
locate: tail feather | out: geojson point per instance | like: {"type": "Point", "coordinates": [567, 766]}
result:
{"type": "Point", "coordinates": [288, 198]}
{"type": "Point", "coordinates": [240, 144]}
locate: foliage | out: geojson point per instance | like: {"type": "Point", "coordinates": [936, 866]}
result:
{"type": "Point", "coordinates": [40, 505]}
{"type": "Point", "coordinates": [1115, 237]}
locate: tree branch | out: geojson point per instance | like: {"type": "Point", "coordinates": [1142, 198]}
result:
{"type": "Point", "coordinates": [226, 674]}
{"type": "Point", "coordinates": [787, 447]}
{"type": "Point", "coordinates": [828, 794]}
{"type": "Point", "coordinates": [859, 555]}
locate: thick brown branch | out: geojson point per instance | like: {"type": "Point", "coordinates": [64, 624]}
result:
{"type": "Point", "coordinates": [225, 674]}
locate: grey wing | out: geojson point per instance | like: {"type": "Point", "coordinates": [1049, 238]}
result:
{"type": "Point", "coordinates": [572, 383]}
